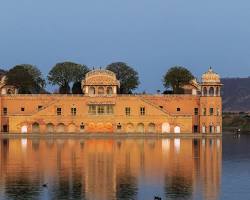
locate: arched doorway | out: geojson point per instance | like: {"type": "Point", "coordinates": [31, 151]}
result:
{"type": "Point", "coordinates": [24, 129]}
{"type": "Point", "coordinates": [35, 127]}
{"type": "Point", "coordinates": [140, 128]}
{"type": "Point", "coordinates": [177, 129]}
{"type": "Point", "coordinates": [151, 128]}
{"type": "Point", "coordinates": [130, 128]}
{"type": "Point", "coordinates": [211, 129]}
{"type": "Point", "coordinates": [60, 128]}
{"type": "Point", "coordinates": [204, 129]}
{"type": "Point", "coordinates": [50, 128]}
{"type": "Point", "coordinates": [165, 128]}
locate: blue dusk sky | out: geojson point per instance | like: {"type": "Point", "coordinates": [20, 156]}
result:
{"type": "Point", "coordinates": [150, 35]}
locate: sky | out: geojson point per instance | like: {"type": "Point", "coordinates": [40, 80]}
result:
{"type": "Point", "coordinates": [149, 35]}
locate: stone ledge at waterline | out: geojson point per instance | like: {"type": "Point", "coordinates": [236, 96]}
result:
{"type": "Point", "coordinates": [107, 135]}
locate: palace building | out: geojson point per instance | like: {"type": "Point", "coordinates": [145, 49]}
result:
{"type": "Point", "coordinates": [102, 110]}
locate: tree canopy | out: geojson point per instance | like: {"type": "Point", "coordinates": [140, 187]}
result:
{"type": "Point", "coordinates": [128, 77]}
{"type": "Point", "coordinates": [176, 77]}
{"type": "Point", "coordinates": [65, 73]}
{"type": "Point", "coordinates": [27, 78]}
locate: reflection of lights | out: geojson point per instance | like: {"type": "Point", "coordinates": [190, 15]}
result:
{"type": "Point", "coordinates": [211, 142]}
{"type": "Point", "coordinates": [203, 142]}
{"type": "Point", "coordinates": [165, 145]}
{"type": "Point", "coordinates": [177, 144]}
{"type": "Point", "coordinates": [24, 143]}
{"type": "Point", "coordinates": [218, 143]}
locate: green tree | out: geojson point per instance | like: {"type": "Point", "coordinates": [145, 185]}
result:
{"type": "Point", "coordinates": [27, 78]}
{"type": "Point", "coordinates": [176, 77]}
{"type": "Point", "coordinates": [77, 88]}
{"type": "Point", "coordinates": [128, 77]}
{"type": "Point", "coordinates": [65, 73]}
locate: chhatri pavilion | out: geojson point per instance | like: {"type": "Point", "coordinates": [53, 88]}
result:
{"type": "Point", "coordinates": [102, 110]}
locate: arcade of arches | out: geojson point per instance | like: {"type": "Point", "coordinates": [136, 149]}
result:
{"type": "Point", "coordinates": [100, 127]}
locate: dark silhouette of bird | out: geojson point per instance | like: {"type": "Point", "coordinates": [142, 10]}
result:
{"type": "Point", "coordinates": [45, 185]}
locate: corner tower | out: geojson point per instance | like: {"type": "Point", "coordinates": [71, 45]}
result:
{"type": "Point", "coordinates": [211, 103]}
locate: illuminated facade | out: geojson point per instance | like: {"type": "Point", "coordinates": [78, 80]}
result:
{"type": "Point", "coordinates": [102, 110]}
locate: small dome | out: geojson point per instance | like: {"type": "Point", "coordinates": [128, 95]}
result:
{"type": "Point", "coordinates": [210, 77]}
{"type": "Point", "coordinates": [100, 77]}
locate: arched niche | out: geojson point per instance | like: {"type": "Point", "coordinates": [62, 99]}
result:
{"type": "Point", "coordinates": [151, 128]}
{"type": "Point", "coordinates": [50, 128]}
{"type": "Point", "coordinates": [35, 127]}
{"type": "Point", "coordinates": [60, 128]}
{"type": "Point", "coordinates": [140, 128]}
{"type": "Point", "coordinates": [130, 128]}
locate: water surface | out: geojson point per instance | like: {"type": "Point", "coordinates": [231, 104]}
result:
{"type": "Point", "coordinates": [106, 169]}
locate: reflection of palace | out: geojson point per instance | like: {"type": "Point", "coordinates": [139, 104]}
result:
{"type": "Point", "coordinates": [110, 169]}
{"type": "Point", "coordinates": [101, 109]}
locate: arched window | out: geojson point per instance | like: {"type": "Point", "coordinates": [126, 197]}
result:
{"type": "Point", "coordinates": [9, 91]}
{"type": "Point", "coordinates": [109, 90]}
{"type": "Point", "coordinates": [100, 90]}
{"type": "Point", "coordinates": [211, 91]}
{"type": "Point", "coordinates": [91, 90]}
{"type": "Point", "coordinates": [217, 91]}
{"type": "Point", "coordinates": [205, 91]}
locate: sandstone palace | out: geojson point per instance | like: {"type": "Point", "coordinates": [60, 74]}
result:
{"type": "Point", "coordinates": [101, 110]}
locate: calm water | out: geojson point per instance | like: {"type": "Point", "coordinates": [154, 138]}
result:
{"type": "Point", "coordinates": [125, 169]}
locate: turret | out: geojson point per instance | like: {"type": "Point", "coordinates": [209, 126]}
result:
{"type": "Point", "coordinates": [211, 103]}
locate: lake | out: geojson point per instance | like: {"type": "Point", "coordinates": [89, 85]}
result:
{"type": "Point", "coordinates": [107, 169]}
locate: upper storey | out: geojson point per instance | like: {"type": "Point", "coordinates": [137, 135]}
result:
{"type": "Point", "coordinates": [100, 82]}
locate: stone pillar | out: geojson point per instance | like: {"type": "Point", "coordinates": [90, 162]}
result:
{"type": "Point", "coordinates": [86, 89]}
{"type": "Point", "coordinates": [114, 89]}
